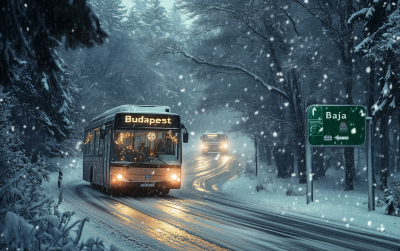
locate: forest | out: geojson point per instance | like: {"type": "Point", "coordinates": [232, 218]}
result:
{"type": "Point", "coordinates": [251, 67]}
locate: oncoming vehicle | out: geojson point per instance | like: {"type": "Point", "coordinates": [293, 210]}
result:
{"type": "Point", "coordinates": [134, 147]}
{"type": "Point", "coordinates": [214, 141]}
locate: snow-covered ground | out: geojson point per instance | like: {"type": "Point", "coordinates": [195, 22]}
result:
{"type": "Point", "coordinates": [331, 202]}
{"type": "Point", "coordinates": [72, 171]}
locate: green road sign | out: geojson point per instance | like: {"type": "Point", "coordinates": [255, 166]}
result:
{"type": "Point", "coordinates": [336, 125]}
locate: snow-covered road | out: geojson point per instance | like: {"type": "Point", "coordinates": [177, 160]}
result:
{"type": "Point", "coordinates": [200, 216]}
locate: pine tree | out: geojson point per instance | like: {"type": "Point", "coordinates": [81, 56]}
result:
{"type": "Point", "coordinates": [155, 20]}
{"type": "Point", "coordinates": [44, 118]}
{"type": "Point", "coordinates": [176, 19]}
{"type": "Point", "coordinates": [140, 5]}
{"type": "Point", "coordinates": [133, 21]}
{"type": "Point", "coordinates": [381, 32]}
{"type": "Point", "coordinates": [111, 13]}
{"type": "Point", "coordinates": [36, 27]}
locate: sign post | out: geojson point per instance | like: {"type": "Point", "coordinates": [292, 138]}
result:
{"type": "Point", "coordinates": [371, 188]}
{"type": "Point", "coordinates": [309, 175]}
{"type": "Point", "coordinates": [333, 126]}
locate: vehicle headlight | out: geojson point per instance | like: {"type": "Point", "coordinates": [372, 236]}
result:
{"type": "Point", "coordinates": [174, 176]}
{"type": "Point", "coordinates": [202, 146]}
{"type": "Point", "coordinates": [119, 176]}
{"type": "Point", "coordinates": [225, 145]}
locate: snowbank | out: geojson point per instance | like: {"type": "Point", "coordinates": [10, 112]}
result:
{"type": "Point", "coordinates": [331, 202]}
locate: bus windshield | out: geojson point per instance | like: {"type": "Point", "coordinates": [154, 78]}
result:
{"type": "Point", "coordinates": [213, 138]}
{"type": "Point", "coordinates": [150, 146]}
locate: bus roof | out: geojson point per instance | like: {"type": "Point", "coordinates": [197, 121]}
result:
{"type": "Point", "coordinates": [110, 114]}
{"type": "Point", "coordinates": [214, 132]}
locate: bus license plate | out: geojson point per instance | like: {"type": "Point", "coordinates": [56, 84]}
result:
{"type": "Point", "coordinates": [147, 185]}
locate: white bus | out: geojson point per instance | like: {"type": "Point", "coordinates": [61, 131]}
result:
{"type": "Point", "coordinates": [214, 141]}
{"type": "Point", "coordinates": [134, 147]}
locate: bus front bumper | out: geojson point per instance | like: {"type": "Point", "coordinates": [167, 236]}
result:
{"type": "Point", "coordinates": [141, 184]}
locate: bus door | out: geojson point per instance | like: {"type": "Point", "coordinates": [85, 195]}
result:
{"type": "Point", "coordinates": [106, 169]}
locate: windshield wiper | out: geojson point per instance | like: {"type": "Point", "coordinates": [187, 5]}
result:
{"type": "Point", "coordinates": [130, 164]}
{"type": "Point", "coordinates": [159, 160]}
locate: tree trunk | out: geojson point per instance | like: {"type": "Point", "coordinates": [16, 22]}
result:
{"type": "Point", "coordinates": [384, 151]}
{"type": "Point", "coordinates": [297, 112]}
{"type": "Point", "coordinates": [349, 164]}
{"type": "Point", "coordinates": [349, 151]}
{"type": "Point", "coordinates": [284, 162]}
{"type": "Point", "coordinates": [371, 97]}
{"type": "Point", "coordinates": [318, 161]}
{"type": "Point", "coordinates": [398, 146]}
{"type": "Point", "coordinates": [268, 155]}
{"type": "Point", "coordinates": [291, 87]}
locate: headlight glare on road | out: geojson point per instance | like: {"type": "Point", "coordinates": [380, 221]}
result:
{"type": "Point", "coordinates": [174, 176]}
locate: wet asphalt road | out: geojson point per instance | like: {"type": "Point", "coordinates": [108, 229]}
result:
{"type": "Point", "coordinates": [200, 217]}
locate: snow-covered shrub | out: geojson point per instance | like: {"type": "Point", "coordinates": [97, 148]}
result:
{"type": "Point", "coordinates": [29, 218]}
{"type": "Point", "coordinates": [269, 184]}
{"type": "Point", "coordinates": [259, 187]}
{"type": "Point", "coordinates": [291, 192]}
{"type": "Point", "coordinates": [391, 199]}
{"type": "Point", "coordinates": [249, 171]}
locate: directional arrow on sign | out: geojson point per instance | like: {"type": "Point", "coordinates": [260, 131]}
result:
{"type": "Point", "coordinates": [313, 110]}
{"type": "Point", "coordinates": [342, 137]}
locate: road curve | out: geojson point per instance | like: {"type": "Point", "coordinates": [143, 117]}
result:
{"type": "Point", "coordinates": [200, 217]}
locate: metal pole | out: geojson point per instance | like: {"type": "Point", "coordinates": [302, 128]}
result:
{"type": "Point", "coordinates": [371, 189]}
{"type": "Point", "coordinates": [310, 195]}
{"type": "Point", "coordinates": [255, 142]}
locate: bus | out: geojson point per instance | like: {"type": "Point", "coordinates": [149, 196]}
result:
{"type": "Point", "coordinates": [132, 148]}
{"type": "Point", "coordinates": [214, 141]}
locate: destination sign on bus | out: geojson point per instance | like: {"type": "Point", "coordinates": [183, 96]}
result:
{"type": "Point", "coordinates": [147, 120]}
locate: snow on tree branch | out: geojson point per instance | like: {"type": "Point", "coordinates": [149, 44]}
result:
{"type": "Point", "coordinates": [170, 50]}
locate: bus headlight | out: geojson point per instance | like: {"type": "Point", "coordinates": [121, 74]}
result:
{"type": "Point", "coordinates": [202, 146]}
{"type": "Point", "coordinates": [225, 145]}
{"type": "Point", "coordinates": [174, 176]}
{"type": "Point", "coordinates": [119, 176]}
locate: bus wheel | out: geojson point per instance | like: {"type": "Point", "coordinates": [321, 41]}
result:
{"type": "Point", "coordinates": [162, 192]}
{"type": "Point", "coordinates": [115, 191]}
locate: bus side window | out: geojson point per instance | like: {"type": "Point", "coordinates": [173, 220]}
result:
{"type": "Point", "coordinates": [87, 142]}
{"type": "Point", "coordinates": [92, 140]}
{"type": "Point", "coordinates": [101, 146]}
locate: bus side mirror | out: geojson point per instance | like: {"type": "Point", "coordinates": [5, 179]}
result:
{"type": "Point", "coordinates": [103, 132]}
{"type": "Point", "coordinates": [185, 137]}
